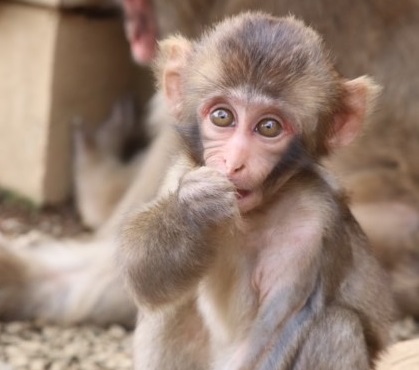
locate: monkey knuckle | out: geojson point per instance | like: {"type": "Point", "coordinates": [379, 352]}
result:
{"type": "Point", "coordinates": [192, 192]}
{"type": "Point", "coordinates": [217, 214]}
{"type": "Point", "coordinates": [212, 201]}
{"type": "Point", "coordinates": [219, 184]}
{"type": "Point", "coordinates": [224, 206]}
{"type": "Point", "coordinates": [220, 190]}
{"type": "Point", "coordinates": [199, 174]}
{"type": "Point", "coordinates": [227, 198]}
{"type": "Point", "coordinates": [199, 193]}
{"type": "Point", "coordinates": [231, 198]}
{"type": "Point", "coordinates": [204, 184]}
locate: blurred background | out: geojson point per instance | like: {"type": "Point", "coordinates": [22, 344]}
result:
{"type": "Point", "coordinates": [76, 126]}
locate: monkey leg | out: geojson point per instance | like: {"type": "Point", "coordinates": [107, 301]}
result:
{"type": "Point", "coordinates": [393, 231]}
{"type": "Point", "coordinates": [171, 339]}
{"type": "Point", "coordinates": [64, 284]}
{"type": "Point", "coordinates": [335, 342]}
{"type": "Point", "coordinates": [102, 171]}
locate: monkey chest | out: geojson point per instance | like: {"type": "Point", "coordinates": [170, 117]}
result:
{"type": "Point", "coordinates": [227, 299]}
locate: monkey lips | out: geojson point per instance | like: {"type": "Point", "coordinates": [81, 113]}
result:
{"type": "Point", "coordinates": [247, 199]}
{"type": "Point", "coordinates": [242, 193]}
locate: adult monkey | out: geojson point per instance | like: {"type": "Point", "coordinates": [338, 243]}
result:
{"type": "Point", "coordinates": [381, 171]}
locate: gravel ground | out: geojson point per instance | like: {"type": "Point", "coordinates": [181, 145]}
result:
{"type": "Point", "coordinates": [38, 346]}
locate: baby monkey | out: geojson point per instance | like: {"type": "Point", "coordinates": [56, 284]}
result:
{"type": "Point", "coordinates": [250, 258]}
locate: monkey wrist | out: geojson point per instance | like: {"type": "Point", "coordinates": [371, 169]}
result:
{"type": "Point", "coordinates": [206, 197]}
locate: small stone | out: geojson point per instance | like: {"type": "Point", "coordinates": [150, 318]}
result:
{"type": "Point", "coordinates": [50, 332]}
{"type": "Point", "coordinates": [117, 332]}
{"type": "Point", "coordinates": [31, 347]}
{"type": "Point", "coordinates": [4, 366]}
{"type": "Point", "coordinates": [20, 361]}
{"type": "Point", "coordinates": [15, 327]}
{"type": "Point", "coordinates": [59, 365]}
{"type": "Point", "coordinates": [38, 364]}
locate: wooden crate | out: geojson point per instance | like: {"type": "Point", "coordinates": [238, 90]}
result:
{"type": "Point", "coordinates": [54, 65]}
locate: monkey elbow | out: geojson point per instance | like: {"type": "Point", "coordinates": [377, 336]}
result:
{"type": "Point", "coordinates": [146, 293]}
{"type": "Point", "coordinates": [156, 282]}
{"type": "Point", "coordinates": [142, 278]}
{"type": "Point", "coordinates": [137, 288]}
{"type": "Point", "coordinates": [132, 272]}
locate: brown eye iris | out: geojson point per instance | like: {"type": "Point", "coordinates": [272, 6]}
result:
{"type": "Point", "coordinates": [222, 117]}
{"type": "Point", "coordinates": [269, 127]}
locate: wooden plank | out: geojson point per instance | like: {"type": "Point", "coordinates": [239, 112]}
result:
{"type": "Point", "coordinates": [67, 65]}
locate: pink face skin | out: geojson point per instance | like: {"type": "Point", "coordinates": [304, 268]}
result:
{"type": "Point", "coordinates": [140, 29]}
{"type": "Point", "coordinates": [241, 150]}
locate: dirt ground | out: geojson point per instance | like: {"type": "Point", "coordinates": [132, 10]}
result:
{"type": "Point", "coordinates": [38, 346]}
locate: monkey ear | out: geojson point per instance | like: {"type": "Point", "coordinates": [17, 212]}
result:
{"type": "Point", "coordinates": [360, 95]}
{"type": "Point", "coordinates": [168, 69]}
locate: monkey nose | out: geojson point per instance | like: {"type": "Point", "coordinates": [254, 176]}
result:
{"type": "Point", "coordinates": [232, 169]}
{"type": "Point", "coordinates": [238, 168]}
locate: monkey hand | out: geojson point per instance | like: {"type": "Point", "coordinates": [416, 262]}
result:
{"type": "Point", "coordinates": [208, 196]}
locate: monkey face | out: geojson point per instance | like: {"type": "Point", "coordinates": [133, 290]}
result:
{"type": "Point", "coordinates": [244, 139]}
{"type": "Point", "coordinates": [258, 108]}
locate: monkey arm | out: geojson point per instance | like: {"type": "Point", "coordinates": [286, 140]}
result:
{"type": "Point", "coordinates": [162, 257]}
{"type": "Point", "coordinates": [167, 247]}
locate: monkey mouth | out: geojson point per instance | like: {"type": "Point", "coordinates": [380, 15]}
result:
{"type": "Point", "coordinates": [242, 193]}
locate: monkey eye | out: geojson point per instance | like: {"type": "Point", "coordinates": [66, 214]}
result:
{"type": "Point", "coordinates": [269, 127]}
{"type": "Point", "coordinates": [222, 117]}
